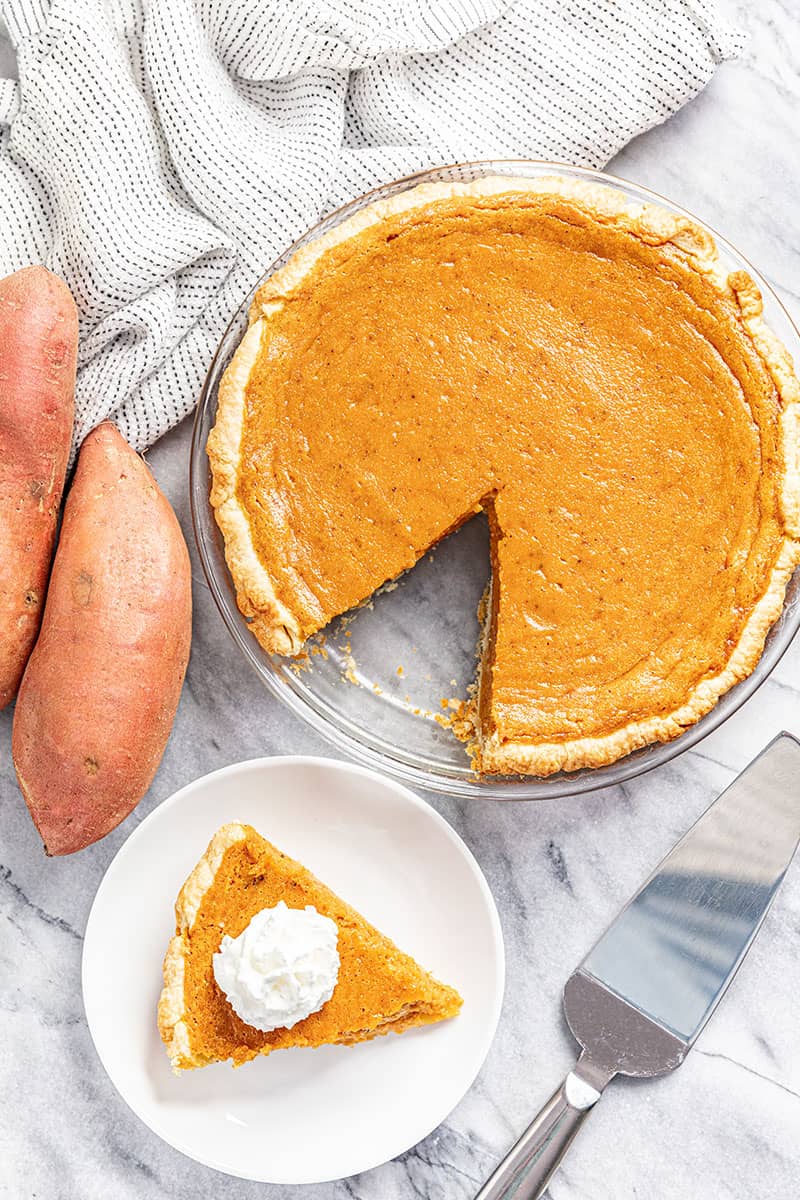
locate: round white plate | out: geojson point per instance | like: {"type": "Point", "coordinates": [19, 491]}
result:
{"type": "Point", "coordinates": [299, 1116]}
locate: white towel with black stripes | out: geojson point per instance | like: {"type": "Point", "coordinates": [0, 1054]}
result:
{"type": "Point", "coordinates": [160, 154]}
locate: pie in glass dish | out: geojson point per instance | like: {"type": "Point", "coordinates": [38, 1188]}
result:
{"type": "Point", "coordinates": [580, 368]}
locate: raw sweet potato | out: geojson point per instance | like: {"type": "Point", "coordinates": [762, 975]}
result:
{"type": "Point", "coordinates": [99, 694]}
{"type": "Point", "coordinates": [38, 348]}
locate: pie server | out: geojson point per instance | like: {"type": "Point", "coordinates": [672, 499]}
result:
{"type": "Point", "coordinates": [642, 995]}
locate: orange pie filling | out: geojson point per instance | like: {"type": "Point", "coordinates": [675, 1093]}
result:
{"type": "Point", "coordinates": [587, 376]}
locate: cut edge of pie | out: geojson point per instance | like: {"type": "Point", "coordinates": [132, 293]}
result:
{"type": "Point", "coordinates": [277, 628]}
{"type": "Point", "coordinates": [440, 1002]}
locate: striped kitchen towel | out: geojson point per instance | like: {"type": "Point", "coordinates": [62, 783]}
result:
{"type": "Point", "coordinates": [159, 154]}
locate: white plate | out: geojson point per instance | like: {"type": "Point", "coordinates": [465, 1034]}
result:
{"type": "Point", "coordinates": [299, 1116]}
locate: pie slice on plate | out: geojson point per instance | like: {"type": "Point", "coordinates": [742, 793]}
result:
{"type": "Point", "coordinates": [379, 989]}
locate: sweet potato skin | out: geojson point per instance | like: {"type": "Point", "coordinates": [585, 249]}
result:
{"type": "Point", "coordinates": [99, 695]}
{"type": "Point", "coordinates": [38, 350]}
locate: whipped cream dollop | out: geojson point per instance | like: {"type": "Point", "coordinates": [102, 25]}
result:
{"type": "Point", "coordinates": [281, 968]}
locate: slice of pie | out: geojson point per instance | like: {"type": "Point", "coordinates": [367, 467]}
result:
{"type": "Point", "coordinates": [582, 369]}
{"type": "Point", "coordinates": [379, 989]}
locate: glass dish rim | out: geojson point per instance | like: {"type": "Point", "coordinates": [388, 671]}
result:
{"type": "Point", "coordinates": [339, 731]}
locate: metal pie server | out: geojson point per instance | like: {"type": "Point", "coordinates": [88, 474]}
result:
{"type": "Point", "coordinates": [639, 999]}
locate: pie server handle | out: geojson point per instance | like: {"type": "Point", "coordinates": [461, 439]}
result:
{"type": "Point", "coordinates": [527, 1169]}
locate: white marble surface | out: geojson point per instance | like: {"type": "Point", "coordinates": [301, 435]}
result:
{"type": "Point", "coordinates": [726, 1124]}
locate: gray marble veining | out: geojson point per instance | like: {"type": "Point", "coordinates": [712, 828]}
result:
{"type": "Point", "coordinates": [723, 1126]}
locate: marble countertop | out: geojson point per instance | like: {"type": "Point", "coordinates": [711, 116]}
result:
{"type": "Point", "coordinates": [726, 1124]}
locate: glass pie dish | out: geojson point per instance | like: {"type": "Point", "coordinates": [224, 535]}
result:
{"type": "Point", "coordinates": [382, 682]}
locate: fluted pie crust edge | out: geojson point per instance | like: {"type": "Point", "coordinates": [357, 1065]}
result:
{"type": "Point", "coordinates": [171, 1007]}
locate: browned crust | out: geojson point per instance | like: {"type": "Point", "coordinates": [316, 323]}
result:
{"type": "Point", "coordinates": [278, 630]}
{"type": "Point", "coordinates": [171, 1007]}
